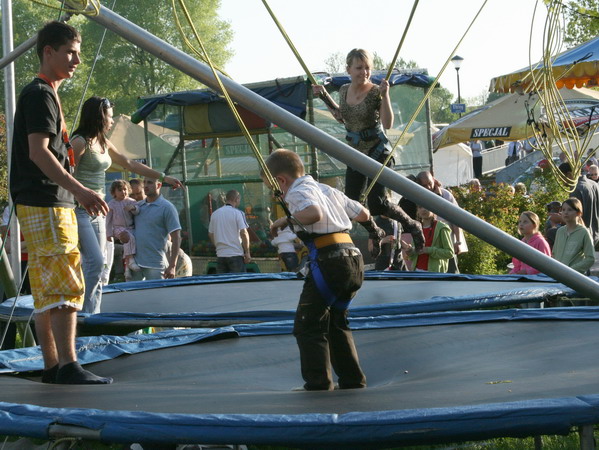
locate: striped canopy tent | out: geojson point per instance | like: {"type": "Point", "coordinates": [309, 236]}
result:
{"type": "Point", "coordinates": [508, 118]}
{"type": "Point", "coordinates": [576, 67]}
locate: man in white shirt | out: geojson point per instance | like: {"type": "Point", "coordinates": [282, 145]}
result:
{"type": "Point", "coordinates": [228, 233]}
{"type": "Point", "coordinates": [513, 152]}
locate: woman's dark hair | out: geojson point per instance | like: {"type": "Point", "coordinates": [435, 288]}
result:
{"type": "Point", "coordinates": [94, 119]}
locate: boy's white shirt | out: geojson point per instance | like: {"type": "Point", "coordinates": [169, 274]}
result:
{"type": "Point", "coordinates": [337, 208]}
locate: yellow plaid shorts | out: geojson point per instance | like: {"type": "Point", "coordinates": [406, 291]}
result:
{"type": "Point", "coordinates": [54, 261]}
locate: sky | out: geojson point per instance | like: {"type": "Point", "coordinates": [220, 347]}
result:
{"type": "Point", "coordinates": [497, 43]}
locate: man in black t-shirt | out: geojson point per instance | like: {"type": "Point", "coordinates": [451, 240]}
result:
{"type": "Point", "coordinates": [44, 192]}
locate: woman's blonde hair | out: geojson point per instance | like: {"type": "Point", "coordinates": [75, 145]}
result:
{"type": "Point", "coordinates": [361, 54]}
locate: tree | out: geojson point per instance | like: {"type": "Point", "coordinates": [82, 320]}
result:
{"type": "Point", "coordinates": [582, 19]}
{"type": "Point", "coordinates": [335, 63]}
{"type": "Point", "coordinates": [123, 72]}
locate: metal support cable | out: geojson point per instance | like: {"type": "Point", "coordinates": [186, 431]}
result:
{"type": "Point", "coordinates": [403, 38]}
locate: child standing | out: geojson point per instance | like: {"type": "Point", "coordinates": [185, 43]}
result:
{"type": "Point", "coordinates": [285, 242]}
{"type": "Point", "coordinates": [438, 247]}
{"type": "Point", "coordinates": [573, 244]}
{"type": "Point", "coordinates": [528, 227]}
{"type": "Point", "coordinates": [336, 272]}
{"type": "Point", "coordinates": [119, 220]}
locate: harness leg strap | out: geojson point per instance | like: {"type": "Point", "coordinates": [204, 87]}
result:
{"type": "Point", "coordinates": [409, 225]}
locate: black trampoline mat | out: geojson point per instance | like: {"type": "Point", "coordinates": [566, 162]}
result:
{"type": "Point", "coordinates": [284, 294]}
{"type": "Point", "coordinates": [407, 368]}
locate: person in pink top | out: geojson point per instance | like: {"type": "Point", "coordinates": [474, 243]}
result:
{"type": "Point", "coordinates": [528, 227]}
{"type": "Point", "coordinates": [119, 220]}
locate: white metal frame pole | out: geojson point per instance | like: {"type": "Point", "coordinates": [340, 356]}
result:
{"type": "Point", "coordinates": [23, 47]}
{"type": "Point", "coordinates": [10, 57]}
{"type": "Point", "coordinates": [10, 102]}
{"type": "Point", "coordinates": [337, 149]}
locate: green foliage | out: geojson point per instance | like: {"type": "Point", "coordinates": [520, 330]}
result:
{"type": "Point", "coordinates": [501, 208]}
{"type": "Point", "coordinates": [123, 71]}
{"type": "Point", "coordinates": [335, 63]}
{"type": "Point", "coordinates": [582, 19]}
{"type": "Point", "coordinates": [494, 96]}
{"type": "Point", "coordinates": [440, 100]}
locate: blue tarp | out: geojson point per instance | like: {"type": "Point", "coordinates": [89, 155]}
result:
{"type": "Point", "coordinates": [411, 79]}
{"type": "Point", "coordinates": [289, 94]}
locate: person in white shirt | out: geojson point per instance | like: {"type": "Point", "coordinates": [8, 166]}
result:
{"type": "Point", "coordinates": [285, 242]}
{"type": "Point", "coordinates": [228, 232]}
{"type": "Point", "coordinates": [322, 217]}
{"type": "Point", "coordinates": [513, 152]}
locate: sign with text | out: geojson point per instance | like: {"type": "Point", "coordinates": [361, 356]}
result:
{"type": "Point", "coordinates": [458, 108]}
{"type": "Point", "coordinates": [490, 132]}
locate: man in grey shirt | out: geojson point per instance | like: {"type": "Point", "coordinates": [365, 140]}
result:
{"type": "Point", "coordinates": [156, 220]}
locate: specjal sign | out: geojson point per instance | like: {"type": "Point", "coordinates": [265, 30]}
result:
{"type": "Point", "coordinates": [492, 132]}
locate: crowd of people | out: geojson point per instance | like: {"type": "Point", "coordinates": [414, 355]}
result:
{"type": "Point", "coordinates": [57, 184]}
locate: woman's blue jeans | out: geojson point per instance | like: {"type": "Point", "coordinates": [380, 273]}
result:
{"type": "Point", "coordinates": [92, 239]}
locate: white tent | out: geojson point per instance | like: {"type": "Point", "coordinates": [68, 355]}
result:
{"type": "Point", "coordinates": [129, 138]}
{"type": "Point", "coordinates": [453, 164]}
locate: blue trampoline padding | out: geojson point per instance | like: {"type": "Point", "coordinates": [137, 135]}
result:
{"type": "Point", "coordinates": [504, 298]}
{"type": "Point", "coordinates": [268, 307]}
{"type": "Point", "coordinates": [350, 430]}
{"type": "Point", "coordinates": [94, 349]}
{"type": "Point", "coordinates": [198, 279]}
{"type": "Point", "coordinates": [369, 429]}
{"type": "Point", "coordinates": [370, 275]}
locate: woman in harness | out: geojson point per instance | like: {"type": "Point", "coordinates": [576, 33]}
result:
{"type": "Point", "coordinates": [365, 110]}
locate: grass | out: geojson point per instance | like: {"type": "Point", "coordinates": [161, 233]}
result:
{"type": "Point", "coordinates": [552, 442]}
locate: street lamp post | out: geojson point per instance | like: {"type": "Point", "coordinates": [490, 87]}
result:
{"type": "Point", "coordinates": [457, 62]}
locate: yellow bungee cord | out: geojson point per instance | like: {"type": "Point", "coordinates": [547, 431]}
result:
{"type": "Point", "coordinates": [199, 54]}
{"type": "Point", "coordinates": [558, 126]}
{"type": "Point", "coordinates": [401, 41]}
{"type": "Point", "coordinates": [272, 181]}
{"type": "Point", "coordinates": [234, 111]}
{"type": "Point", "coordinates": [374, 180]}
{"type": "Point", "coordinates": [86, 7]}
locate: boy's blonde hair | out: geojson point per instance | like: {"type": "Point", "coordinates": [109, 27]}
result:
{"type": "Point", "coordinates": [285, 162]}
{"type": "Point", "coordinates": [119, 184]}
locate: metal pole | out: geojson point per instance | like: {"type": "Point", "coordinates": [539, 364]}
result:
{"type": "Point", "coordinates": [21, 49]}
{"type": "Point", "coordinates": [457, 71]}
{"type": "Point", "coordinates": [346, 154]}
{"type": "Point", "coordinates": [12, 55]}
{"type": "Point", "coordinates": [10, 103]}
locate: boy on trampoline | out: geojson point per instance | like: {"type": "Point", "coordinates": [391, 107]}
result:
{"type": "Point", "coordinates": [321, 216]}
{"type": "Point", "coordinates": [44, 191]}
